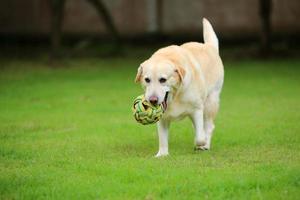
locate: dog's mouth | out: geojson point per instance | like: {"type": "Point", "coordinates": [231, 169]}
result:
{"type": "Point", "coordinates": [165, 102]}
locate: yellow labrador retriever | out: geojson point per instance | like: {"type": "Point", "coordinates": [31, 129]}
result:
{"type": "Point", "coordinates": [187, 80]}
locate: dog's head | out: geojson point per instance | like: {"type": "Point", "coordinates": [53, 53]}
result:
{"type": "Point", "coordinates": [160, 78]}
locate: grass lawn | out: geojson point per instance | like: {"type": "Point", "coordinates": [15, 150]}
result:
{"type": "Point", "coordinates": [68, 133]}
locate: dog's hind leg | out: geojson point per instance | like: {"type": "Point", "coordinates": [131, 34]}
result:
{"type": "Point", "coordinates": [197, 119]}
{"type": "Point", "coordinates": [211, 108]}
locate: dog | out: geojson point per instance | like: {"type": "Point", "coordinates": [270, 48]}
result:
{"type": "Point", "coordinates": [187, 80]}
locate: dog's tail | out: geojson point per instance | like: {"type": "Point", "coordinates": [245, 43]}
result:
{"type": "Point", "coordinates": [209, 34]}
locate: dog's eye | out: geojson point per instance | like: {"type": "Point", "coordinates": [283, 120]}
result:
{"type": "Point", "coordinates": [147, 80]}
{"type": "Point", "coordinates": [162, 80]}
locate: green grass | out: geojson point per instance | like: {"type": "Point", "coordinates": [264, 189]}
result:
{"type": "Point", "coordinates": [68, 133]}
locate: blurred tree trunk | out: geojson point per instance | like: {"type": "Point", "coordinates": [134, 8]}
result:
{"type": "Point", "coordinates": [155, 18]}
{"type": "Point", "coordinates": [107, 19]}
{"type": "Point", "coordinates": [159, 18]}
{"type": "Point", "coordinates": [265, 11]}
{"type": "Point", "coordinates": [57, 8]}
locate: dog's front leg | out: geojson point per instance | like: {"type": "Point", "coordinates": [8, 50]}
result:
{"type": "Point", "coordinates": [197, 118]}
{"type": "Point", "coordinates": [162, 128]}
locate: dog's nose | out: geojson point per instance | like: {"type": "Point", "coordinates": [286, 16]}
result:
{"type": "Point", "coordinates": [153, 100]}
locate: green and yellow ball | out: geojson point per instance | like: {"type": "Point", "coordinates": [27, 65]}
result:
{"type": "Point", "coordinates": [146, 113]}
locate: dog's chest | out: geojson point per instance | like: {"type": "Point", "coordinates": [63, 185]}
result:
{"type": "Point", "coordinates": [178, 111]}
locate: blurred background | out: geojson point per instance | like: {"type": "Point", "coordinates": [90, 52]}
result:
{"type": "Point", "coordinates": [67, 70]}
{"type": "Point", "coordinates": [62, 28]}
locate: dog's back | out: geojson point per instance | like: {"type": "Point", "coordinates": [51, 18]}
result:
{"type": "Point", "coordinates": [209, 61]}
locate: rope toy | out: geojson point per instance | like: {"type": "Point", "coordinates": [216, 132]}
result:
{"type": "Point", "coordinates": [146, 113]}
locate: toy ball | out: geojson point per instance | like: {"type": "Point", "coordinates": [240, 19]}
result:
{"type": "Point", "coordinates": [146, 113]}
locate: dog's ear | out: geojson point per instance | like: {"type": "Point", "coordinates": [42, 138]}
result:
{"type": "Point", "coordinates": [139, 74]}
{"type": "Point", "coordinates": [181, 72]}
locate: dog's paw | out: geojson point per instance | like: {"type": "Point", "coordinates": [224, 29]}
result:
{"type": "Point", "coordinates": [201, 147]}
{"type": "Point", "coordinates": [200, 142]}
{"type": "Point", "coordinates": [161, 154]}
